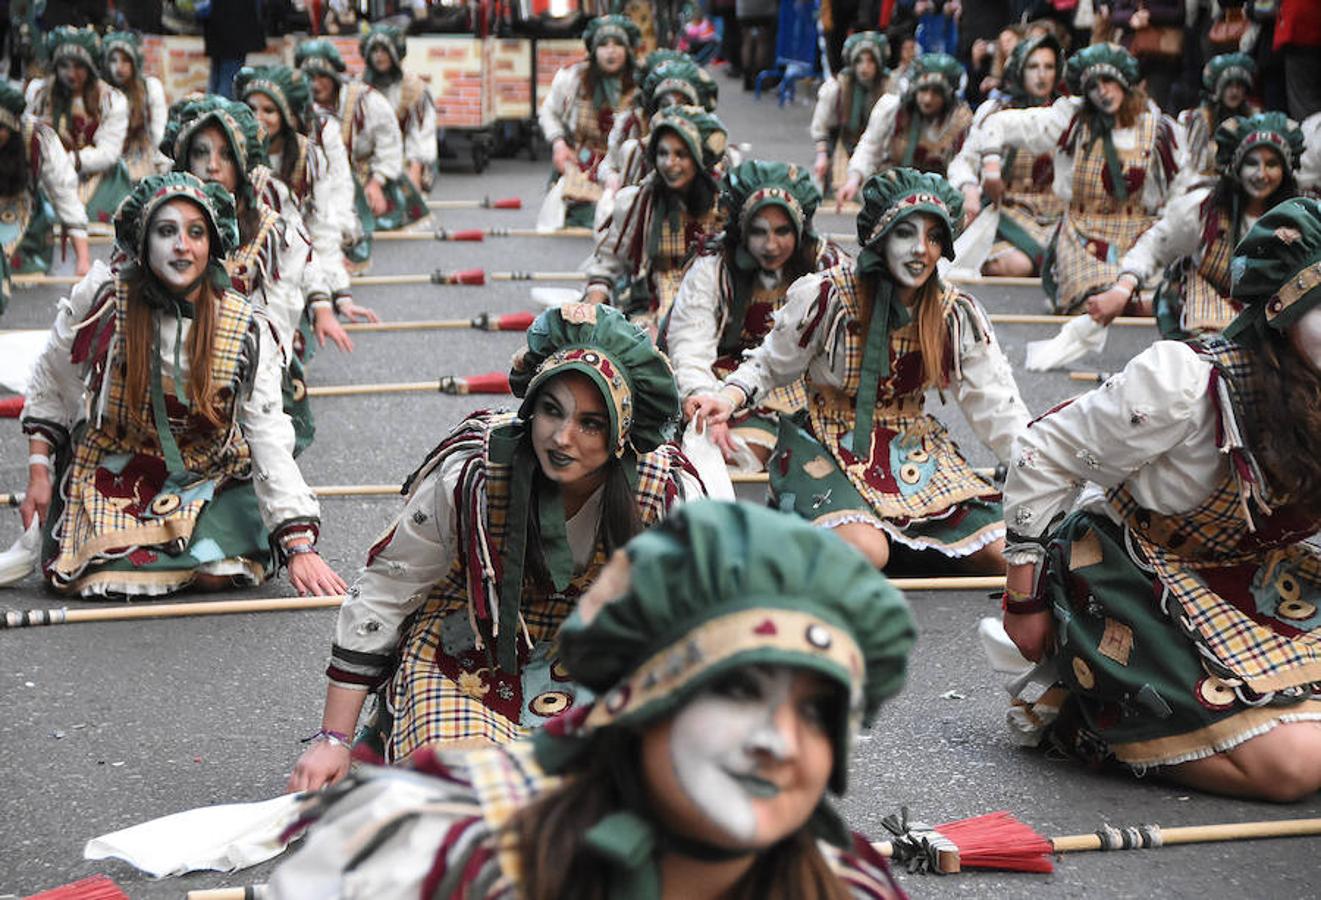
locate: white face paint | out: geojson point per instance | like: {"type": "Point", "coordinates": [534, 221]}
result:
{"type": "Point", "coordinates": [675, 164]}
{"type": "Point", "coordinates": [210, 158]}
{"type": "Point", "coordinates": [1305, 336]}
{"type": "Point", "coordinates": [715, 743]}
{"type": "Point", "coordinates": [1039, 72]}
{"type": "Point", "coordinates": [912, 249]}
{"type": "Point", "coordinates": [771, 239]}
{"type": "Point", "coordinates": [178, 245]}
{"type": "Point", "coordinates": [569, 426]}
{"type": "Point", "coordinates": [1106, 95]}
{"type": "Point", "coordinates": [1261, 172]}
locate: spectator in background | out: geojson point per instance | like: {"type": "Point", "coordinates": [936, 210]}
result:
{"type": "Point", "coordinates": [938, 25]}
{"type": "Point", "coordinates": [1159, 70]}
{"type": "Point", "coordinates": [231, 31]}
{"type": "Point", "coordinates": [839, 19]}
{"type": "Point", "coordinates": [699, 39]}
{"type": "Point", "coordinates": [758, 22]}
{"type": "Point", "coordinates": [731, 39]}
{"type": "Point", "coordinates": [1298, 34]}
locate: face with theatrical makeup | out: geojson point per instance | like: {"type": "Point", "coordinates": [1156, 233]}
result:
{"type": "Point", "coordinates": [1305, 337]}
{"type": "Point", "coordinates": [570, 425]}
{"type": "Point", "coordinates": [381, 61]}
{"type": "Point", "coordinates": [1039, 73]}
{"type": "Point", "coordinates": [912, 249]}
{"type": "Point", "coordinates": [211, 158]}
{"type": "Point", "coordinates": [1261, 173]}
{"type": "Point", "coordinates": [771, 238]}
{"type": "Point", "coordinates": [267, 113]}
{"type": "Point", "coordinates": [674, 162]}
{"type": "Point", "coordinates": [864, 67]}
{"type": "Point", "coordinates": [746, 761]}
{"type": "Point", "coordinates": [323, 89]}
{"type": "Point", "coordinates": [1106, 95]}
{"type": "Point", "coordinates": [671, 98]}
{"type": "Point", "coordinates": [120, 68]}
{"type": "Point", "coordinates": [611, 56]}
{"type": "Point", "coordinates": [930, 102]}
{"type": "Point", "coordinates": [1233, 95]}
{"type": "Point", "coordinates": [178, 245]}
{"type": "Point", "coordinates": [72, 74]}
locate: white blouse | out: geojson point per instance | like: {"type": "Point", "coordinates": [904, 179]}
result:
{"type": "Point", "coordinates": [378, 140]}
{"type": "Point", "coordinates": [59, 181]}
{"type": "Point", "coordinates": [420, 144]}
{"type": "Point", "coordinates": [112, 126]}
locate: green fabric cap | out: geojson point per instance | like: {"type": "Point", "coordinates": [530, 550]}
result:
{"type": "Point", "coordinates": [621, 28]}
{"type": "Point", "coordinates": [1225, 69]}
{"type": "Point", "coordinates": [286, 88]}
{"type": "Point", "coordinates": [702, 132]}
{"type": "Point", "coordinates": [938, 70]}
{"type": "Point", "coordinates": [634, 378]}
{"type": "Point", "coordinates": [1276, 269]}
{"type": "Point", "coordinates": [872, 42]}
{"type": "Point", "coordinates": [756, 183]}
{"type": "Point", "coordinates": [1013, 74]}
{"type": "Point", "coordinates": [720, 586]}
{"type": "Point", "coordinates": [82, 44]}
{"type": "Point", "coordinates": [126, 42]}
{"type": "Point", "coordinates": [387, 36]}
{"type": "Point", "coordinates": [319, 57]}
{"type": "Point", "coordinates": [1100, 60]}
{"type": "Point", "coordinates": [135, 212]}
{"type": "Point", "coordinates": [660, 57]}
{"type": "Point", "coordinates": [12, 105]}
{"type": "Point", "coordinates": [895, 194]}
{"type": "Point", "coordinates": [682, 76]}
{"type": "Point", "coordinates": [1237, 136]}
{"type": "Point", "coordinates": [236, 120]}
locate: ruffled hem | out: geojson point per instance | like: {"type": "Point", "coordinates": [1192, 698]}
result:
{"type": "Point", "coordinates": [132, 585]}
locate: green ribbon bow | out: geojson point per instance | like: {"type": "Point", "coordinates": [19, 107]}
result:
{"type": "Point", "coordinates": [181, 310]}
{"type": "Point", "coordinates": [608, 91]}
{"type": "Point", "coordinates": [859, 105]}
{"type": "Point", "coordinates": [1112, 164]}
{"type": "Point", "coordinates": [888, 312]}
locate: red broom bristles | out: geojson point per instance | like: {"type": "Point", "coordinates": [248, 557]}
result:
{"type": "Point", "coordinates": [12, 407]}
{"type": "Point", "coordinates": [98, 887]}
{"type": "Point", "coordinates": [999, 841]}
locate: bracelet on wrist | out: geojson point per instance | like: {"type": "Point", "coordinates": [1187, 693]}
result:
{"type": "Point", "coordinates": [300, 550]}
{"type": "Point", "coordinates": [1021, 603]}
{"type": "Point", "coordinates": [40, 459]}
{"type": "Point", "coordinates": [326, 736]}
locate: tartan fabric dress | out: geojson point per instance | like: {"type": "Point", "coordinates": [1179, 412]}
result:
{"type": "Point", "coordinates": [1029, 209]}
{"type": "Point", "coordinates": [1183, 635]}
{"type": "Point", "coordinates": [102, 190]}
{"type": "Point", "coordinates": [913, 483]}
{"type": "Point", "coordinates": [1194, 300]}
{"type": "Point", "coordinates": [27, 221]}
{"type": "Point", "coordinates": [913, 144]}
{"type": "Point", "coordinates": [447, 686]}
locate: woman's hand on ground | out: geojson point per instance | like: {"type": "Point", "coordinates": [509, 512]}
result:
{"type": "Point", "coordinates": [1106, 306]}
{"type": "Point", "coordinates": [310, 576]}
{"type": "Point", "coordinates": [355, 313]}
{"type": "Point", "coordinates": [1032, 633]}
{"type": "Point", "coordinates": [321, 765]}
{"type": "Point", "coordinates": [325, 325]}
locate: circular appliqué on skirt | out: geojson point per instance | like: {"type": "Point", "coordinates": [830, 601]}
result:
{"type": "Point", "coordinates": [164, 504]}
{"type": "Point", "coordinates": [551, 703]}
{"type": "Point", "coordinates": [1214, 694]}
{"type": "Point", "coordinates": [299, 389]}
{"type": "Point", "coordinates": [1083, 673]}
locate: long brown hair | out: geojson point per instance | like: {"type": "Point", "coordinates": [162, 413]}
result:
{"type": "Point", "coordinates": [1288, 400]}
{"type": "Point", "coordinates": [556, 865]}
{"type": "Point", "coordinates": [932, 331]}
{"type": "Point", "coordinates": [135, 91]}
{"type": "Point", "coordinates": [61, 101]}
{"type": "Point", "coordinates": [200, 343]}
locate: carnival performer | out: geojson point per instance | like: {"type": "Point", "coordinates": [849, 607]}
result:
{"type": "Point", "coordinates": [1194, 238]}
{"type": "Point", "coordinates": [731, 294]}
{"type": "Point", "coordinates": [923, 128]}
{"type": "Point", "coordinates": [384, 199]}
{"type": "Point", "coordinates": [383, 49]}
{"type": "Point", "coordinates": [157, 396]}
{"type": "Point", "coordinates": [735, 652]}
{"type": "Point", "coordinates": [36, 179]}
{"type": "Point", "coordinates": [1116, 157]}
{"type": "Point", "coordinates": [579, 112]}
{"type": "Point", "coordinates": [506, 523]}
{"type": "Point", "coordinates": [656, 225]}
{"type": "Point", "coordinates": [1028, 208]}
{"type": "Point", "coordinates": [90, 117]}
{"type": "Point", "coordinates": [144, 95]}
{"type": "Point", "coordinates": [871, 339]}
{"type": "Point", "coordinates": [1182, 605]}
{"type": "Point", "coordinates": [1227, 83]}
{"type": "Point", "coordinates": [307, 155]}
{"type": "Point", "coordinates": [672, 82]}
{"type": "Point", "coordinates": [844, 105]}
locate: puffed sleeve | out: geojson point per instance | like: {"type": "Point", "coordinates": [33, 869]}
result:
{"type": "Point", "coordinates": [323, 222]}
{"type": "Point", "coordinates": [611, 164]}
{"type": "Point", "coordinates": [420, 144]}
{"type": "Point", "coordinates": [873, 148]}
{"type": "Point", "coordinates": [965, 169]}
{"type": "Point", "coordinates": [1036, 130]}
{"type": "Point", "coordinates": [387, 162]}
{"type": "Point", "coordinates": [336, 189]}
{"type": "Point", "coordinates": [693, 335]}
{"type": "Point", "coordinates": [986, 390]}
{"type": "Point", "coordinates": [1155, 404]}
{"type": "Point", "coordinates": [157, 110]}
{"type": "Point", "coordinates": [1176, 234]}
{"type": "Point", "coordinates": [60, 182]}
{"type": "Point", "coordinates": [798, 337]}
{"type": "Point", "coordinates": [108, 145]}
{"type": "Point", "coordinates": [608, 263]}
{"type": "Point", "coordinates": [414, 553]}
{"type": "Point", "coordinates": [283, 496]}
{"type": "Point", "coordinates": [824, 115]}
{"type": "Point", "coordinates": [554, 113]}
{"type": "Point", "coordinates": [54, 397]}
{"type": "Point", "coordinates": [1309, 166]}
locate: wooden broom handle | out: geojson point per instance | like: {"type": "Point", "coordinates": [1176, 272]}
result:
{"type": "Point", "coordinates": [252, 892]}
{"type": "Point", "coordinates": [1196, 834]}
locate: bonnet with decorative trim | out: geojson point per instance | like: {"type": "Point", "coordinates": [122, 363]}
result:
{"type": "Point", "coordinates": [153, 192]}
{"type": "Point", "coordinates": [634, 378]}
{"type": "Point", "coordinates": [390, 38]}
{"type": "Point", "coordinates": [81, 44]}
{"type": "Point", "coordinates": [236, 120]}
{"type": "Point", "coordinates": [1100, 61]}
{"type": "Point", "coordinates": [756, 183]}
{"type": "Point", "coordinates": [127, 42]}
{"type": "Point", "coordinates": [895, 194]}
{"type": "Point", "coordinates": [283, 86]}
{"type": "Point", "coordinates": [12, 104]}
{"type": "Point", "coordinates": [320, 57]}
{"type": "Point", "coordinates": [937, 70]}
{"type": "Point", "coordinates": [682, 77]}
{"type": "Point", "coordinates": [872, 42]}
{"type": "Point", "coordinates": [621, 28]}
{"type": "Point", "coordinates": [1013, 74]}
{"type": "Point", "coordinates": [1276, 269]}
{"type": "Point", "coordinates": [701, 132]}
{"type": "Point", "coordinates": [1238, 136]}
{"type": "Point", "coordinates": [1226, 69]}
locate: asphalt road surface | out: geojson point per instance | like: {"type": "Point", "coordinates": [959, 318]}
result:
{"type": "Point", "coordinates": [106, 725]}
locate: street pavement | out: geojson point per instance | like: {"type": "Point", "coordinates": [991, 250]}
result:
{"type": "Point", "coordinates": [106, 725]}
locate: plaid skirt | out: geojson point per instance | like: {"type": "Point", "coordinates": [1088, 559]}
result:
{"type": "Point", "coordinates": [1083, 259]}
